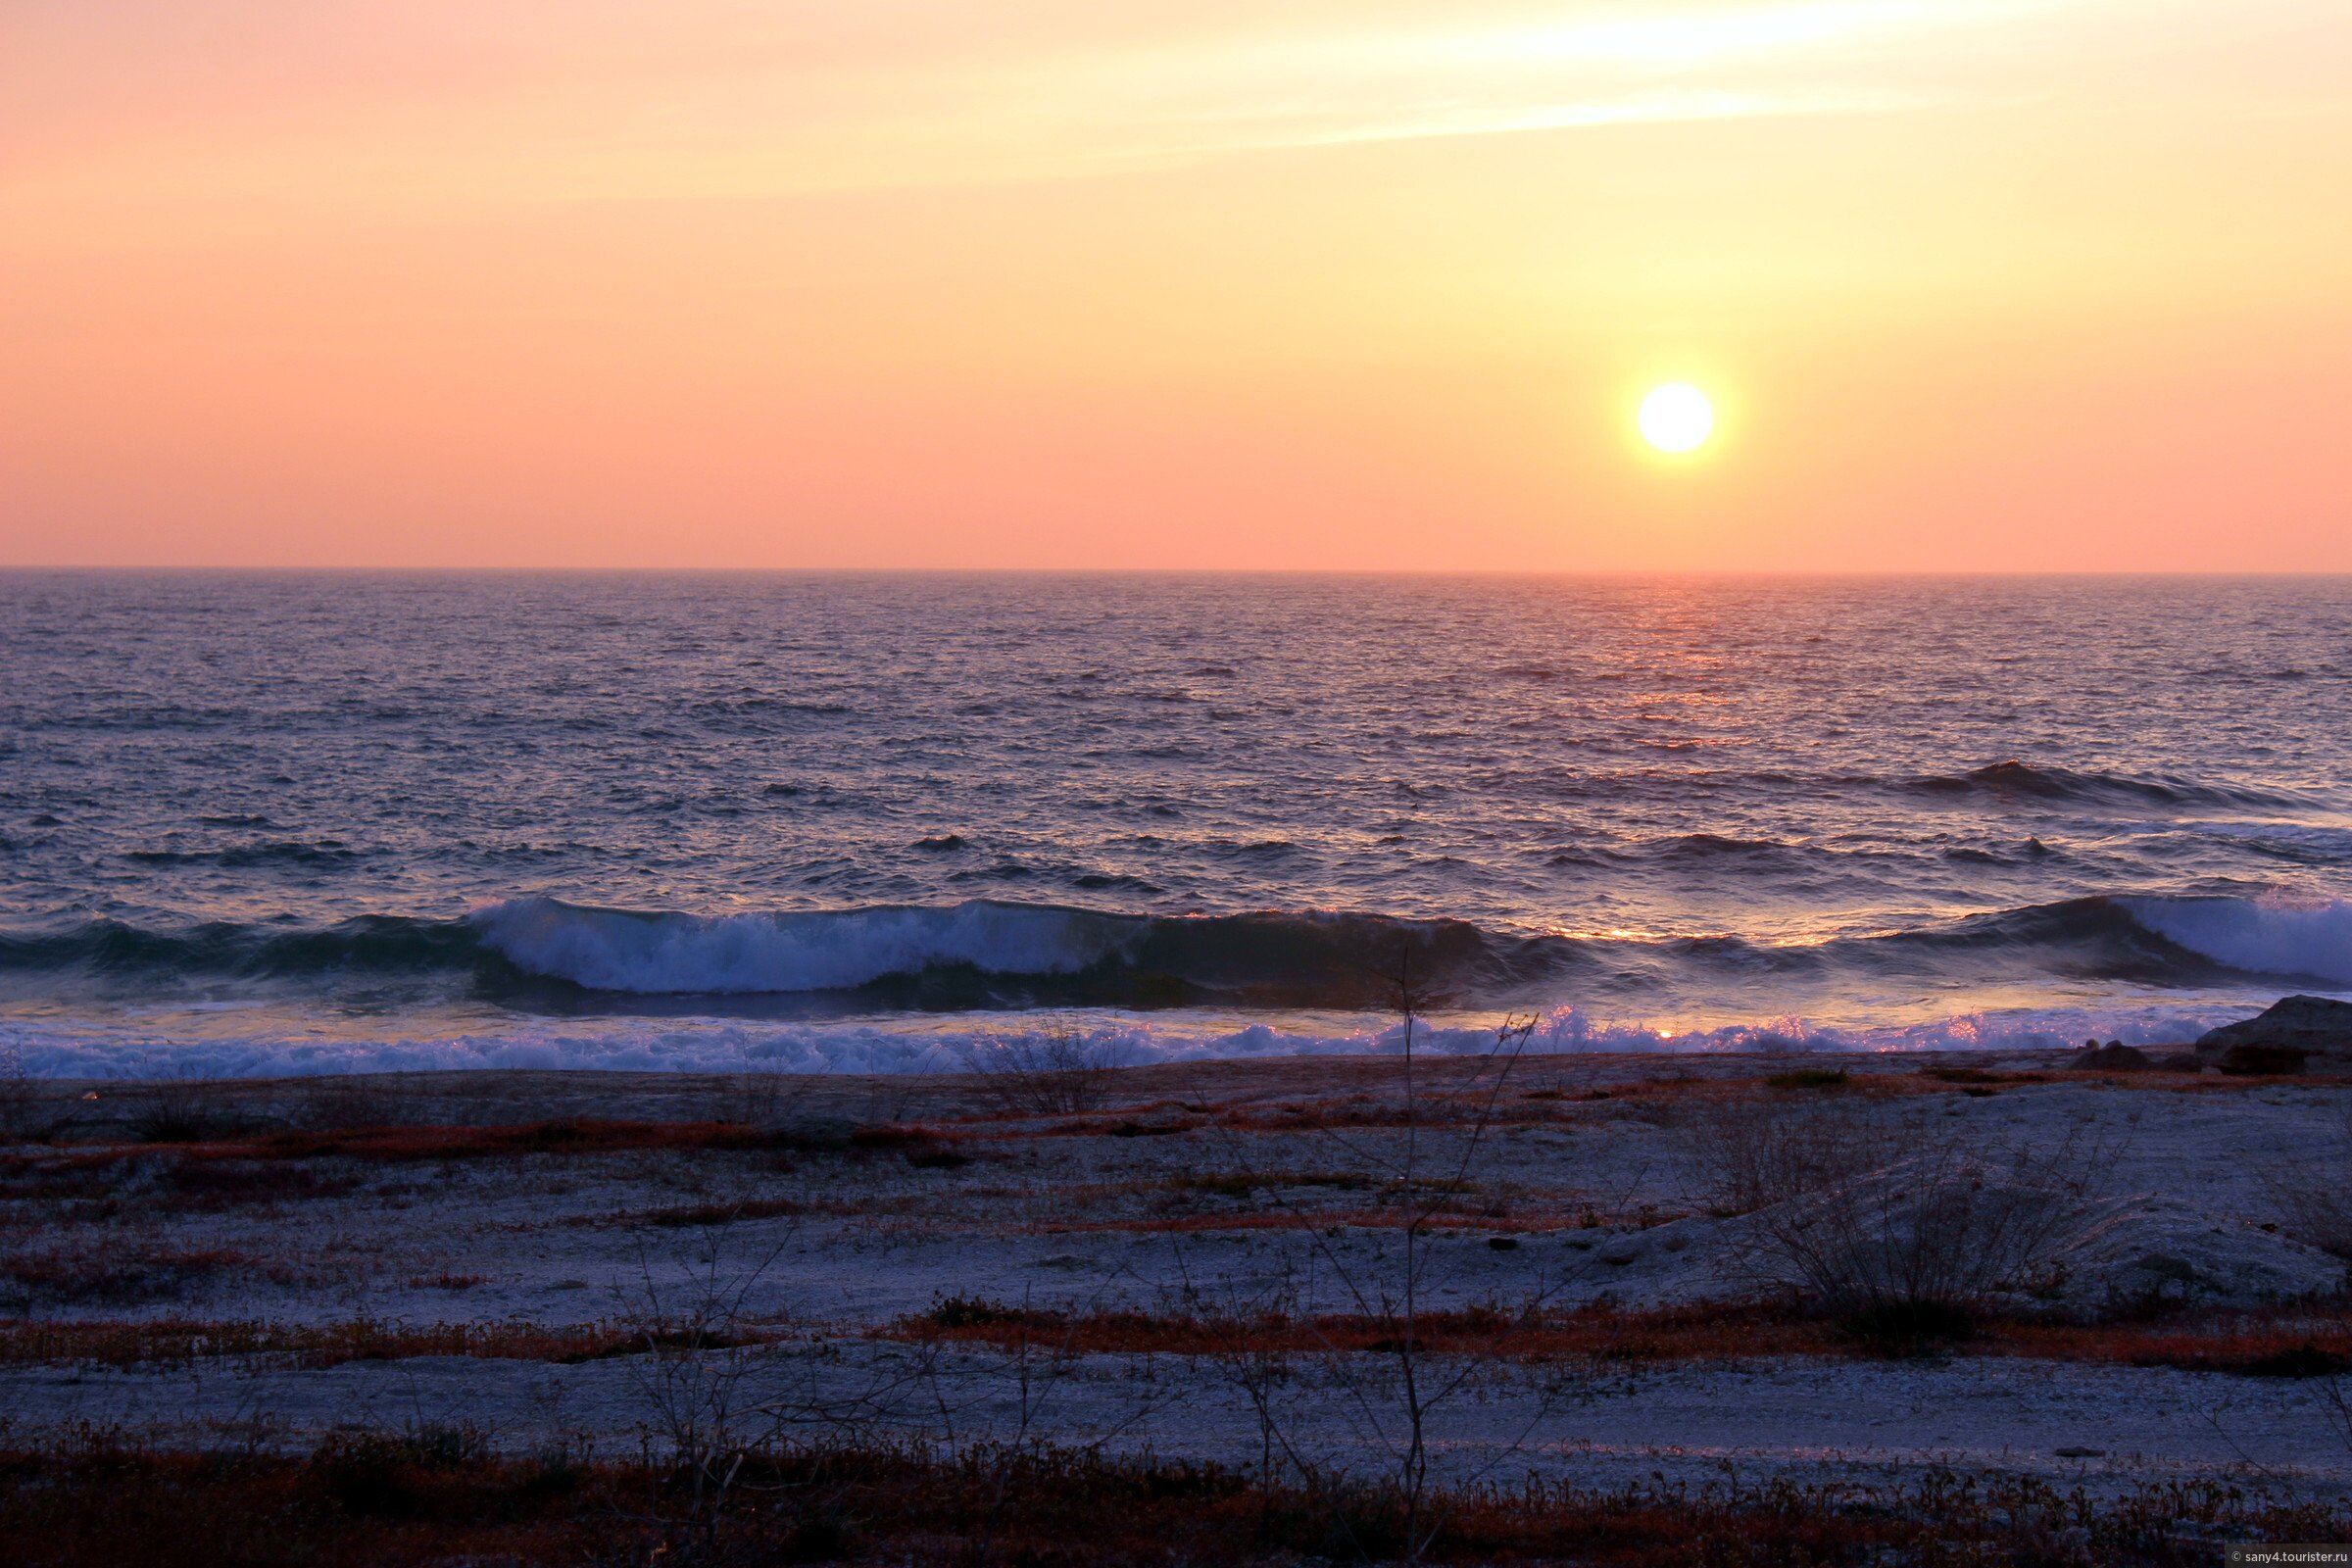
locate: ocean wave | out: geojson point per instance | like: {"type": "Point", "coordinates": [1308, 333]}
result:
{"type": "Point", "coordinates": [2288, 936]}
{"type": "Point", "coordinates": [369, 946]}
{"type": "Point", "coordinates": [324, 853]}
{"type": "Point", "coordinates": [988, 952]}
{"type": "Point", "coordinates": [544, 953]}
{"type": "Point", "coordinates": [2297, 843]}
{"type": "Point", "coordinates": [2014, 779]}
{"type": "Point", "coordinates": [625, 949]}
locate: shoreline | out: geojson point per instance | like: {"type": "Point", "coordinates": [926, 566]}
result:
{"type": "Point", "coordinates": [536, 1092]}
{"type": "Point", "coordinates": [1092, 1264]}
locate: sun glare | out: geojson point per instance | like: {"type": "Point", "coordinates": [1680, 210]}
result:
{"type": "Point", "coordinates": [1676, 417]}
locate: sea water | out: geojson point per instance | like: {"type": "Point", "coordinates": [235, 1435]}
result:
{"type": "Point", "coordinates": [302, 823]}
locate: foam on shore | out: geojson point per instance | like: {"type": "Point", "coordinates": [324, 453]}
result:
{"type": "Point", "coordinates": [227, 1047]}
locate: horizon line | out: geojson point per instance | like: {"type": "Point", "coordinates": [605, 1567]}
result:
{"type": "Point", "coordinates": [1854, 572]}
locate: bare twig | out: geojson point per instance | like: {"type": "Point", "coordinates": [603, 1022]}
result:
{"type": "Point", "coordinates": [18, 1099]}
{"type": "Point", "coordinates": [1053, 1073]}
{"type": "Point", "coordinates": [1857, 1211]}
{"type": "Point", "coordinates": [1442, 1133]}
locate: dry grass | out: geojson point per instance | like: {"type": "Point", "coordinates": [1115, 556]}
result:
{"type": "Point", "coordinates": [115, 1271]}
{"type": "Point", "coordinates": [1852, 1208]}
{"type": "Point", "coordinates": [184, 1110]}
{"type": "Point", "coordinates": [1475, 1216]}
{"type": "Point", "coordinates": [212, 1186]}
{"type": "Point", "coordinates": [560, 1137]}
{"type": "Point", "coordinates": [1054, 1072]}
{"type": "Point", "coordinates": [344, 1104]}
{"type": "Point", "coordinates": [762, 1096]}
{"type": "Point", "coordinates": [1754, 1155]}
{"type": "Point", "coordinates": [1248, 1182]}
{"type": "Point", "coordinates": [181, 1342]}
{"type": "Point", "coordinates": [2285, 1343]}
{"type": "Point", "coordinates": [1535, 1336]}
{"type": "Point", "coordinates": [154, 1184]}
{"type": "Point", "coordinates": [445, 1495]}
{"type": "Point", "coordinates": [19, 1100]}
{"type": "Point", "coordinates": [689, 1215]}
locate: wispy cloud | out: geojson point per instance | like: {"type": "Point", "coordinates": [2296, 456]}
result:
{"type": "Point", "coordinates": [756, 120]}
{"type": "Point", "coordinates": [1489, 120]}
{"type": "Point", "coordinates": [1474, 77]}
{"type": "Point", "coordinates": [1106, 111]}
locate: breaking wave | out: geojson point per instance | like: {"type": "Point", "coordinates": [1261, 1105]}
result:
{"type": "Point", "coordinates": [93, 1049]}
{"type": "Point", "coordinates": [546, 953]}
{"type": "Point", "coordinates": [2307, 938]}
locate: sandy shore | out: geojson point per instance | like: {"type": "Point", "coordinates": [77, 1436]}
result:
{"type": "Point", "coordinates": [270, 1261]}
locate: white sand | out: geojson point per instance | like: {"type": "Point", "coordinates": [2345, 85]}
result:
{"type": "Point", "coordinates": [2184, 1196]}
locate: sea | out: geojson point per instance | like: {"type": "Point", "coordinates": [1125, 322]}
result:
{"type": "Point", "coordinates": [298, 823]}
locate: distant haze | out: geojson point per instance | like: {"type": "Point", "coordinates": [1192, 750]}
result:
{"type": "Point", "coordinates": [2002, 285]}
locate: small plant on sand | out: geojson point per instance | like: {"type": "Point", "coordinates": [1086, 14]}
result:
{"type": "Point", "coordinates": [179, 1108]}
{"type": "Point", "coordinates": [765, 1093]}
{"type": "Point", "coordinates": [1811, 1078]}
{"type": "Point", "coordinates": [390, 1475]}
{"type": "Point", "coordinates": [345, 1104]}
{"type": "Point", "coordinates": [20, 1101]}
{"type": "Point", "coordinates": [2311, 1193]}
{"type": "Point", "coordinates": [1051, 1072]}
{"type": "Point", "coordinates": [92, 1499]}
{"type": "Point", "coordinates": [691, 1378]}
{"type": "Point", "coordinates": [1754, 1155]}
{"type": "Point", "coordinates": [724, 1395]}
{"type": "Point", "coordinates": [1425, 1160]}
{"type": "Point", "coordinates": [112, 1270]}
{"type": "Point", "coordinates": [1904, 1231]}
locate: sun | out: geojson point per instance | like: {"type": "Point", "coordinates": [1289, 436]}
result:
{"type": "Point", "coordinates": [1676, 417]}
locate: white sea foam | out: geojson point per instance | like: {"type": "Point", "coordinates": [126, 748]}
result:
{"type": "Point", "coordinates": [616, 949]}
{"type": "Point", "coordinates": [276, 1046]}
{"type": "Point", "coordinates": [2266, 936]}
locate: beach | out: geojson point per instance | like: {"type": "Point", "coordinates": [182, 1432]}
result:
{"type": "Point", "coordinates": [1096, 1262]}
{"type": "Point", "coordinates": [682, 1060]}
{"type": "Point", "coordinates": [1110, 784]}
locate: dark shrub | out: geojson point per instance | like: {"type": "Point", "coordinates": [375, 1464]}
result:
{"type": "Point", "coordinates": [2262, 1061]}
{"type": "Point", "coordinates": [1910, 1328]}
{"type": "Point", "coordinates": [2302, 1361]}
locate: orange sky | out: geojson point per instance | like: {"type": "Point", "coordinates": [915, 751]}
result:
{"type": "Point", "coordinates": [1982, 284]}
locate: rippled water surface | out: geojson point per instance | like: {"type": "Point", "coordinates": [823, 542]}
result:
{"type": "Point", "coordinates": [312, 821]}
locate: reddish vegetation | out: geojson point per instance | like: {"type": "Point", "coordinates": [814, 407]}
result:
{"type": "Point", "coordinates": [177, 1341]}
{"type": "Point", "coordinates": [686, 1216]}
{"type": "Point", "coordinates": [203, 1186]}
{"type": "Point", "coordinates": [2281, 1343]}
{"type": "Point", "coordinates": [895, 1135]}
{"type": "Point", "coordinates": [1529, 1099]}
{"type": "Point", "coordinates": [1678, 1335]}
{"type": "Point", "coordinates": [124, 1273]}
{"type": "Point", "coordinates": [442, 1495]}
{"type": "Point", "coordinates": [565, 1136]}
{"type": "Point", "coordinates": [1526, 1101]}
{"type": "Point", "coordinates": [1321, 1219]}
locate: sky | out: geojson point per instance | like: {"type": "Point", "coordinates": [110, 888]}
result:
{"type": "Point", "coordinates": [1299, 285]}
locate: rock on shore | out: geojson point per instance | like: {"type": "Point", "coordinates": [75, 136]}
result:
{"type": "Point", "coordinates": [2313, 1026]}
